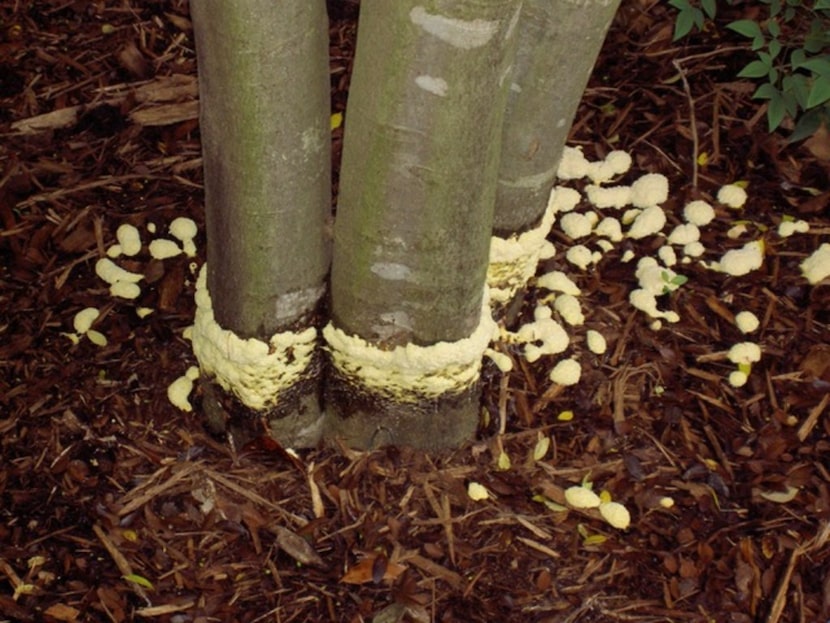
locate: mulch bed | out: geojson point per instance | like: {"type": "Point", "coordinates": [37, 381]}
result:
{"type": "Point", "coordinates": [116, 506]}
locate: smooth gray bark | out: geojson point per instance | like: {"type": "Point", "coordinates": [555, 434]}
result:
{"type": "Point", "coordinates": [424, 131]}
{"type": "Point", "coordinates": [420, 157]}
{"type": "Point", "coordinates": [265, 129]}
{"type": "Point", "coordinates": [264, 119]}
{"type": "Point", "coordinates": [559, 41]}
{"type": "Point", "coordinates": [423, 128]}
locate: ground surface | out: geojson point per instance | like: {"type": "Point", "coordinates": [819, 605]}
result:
{"type": "Point", "coordinates": [106, 488]}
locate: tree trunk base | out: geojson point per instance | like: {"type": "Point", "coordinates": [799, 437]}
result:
{"type": "Point", "coordinates": [364, 420]}
{"type": "Point", "coordinates": [296, 422]}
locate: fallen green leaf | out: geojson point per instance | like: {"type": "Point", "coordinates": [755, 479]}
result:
{"type": "Point", "coordinates": [138, 579]}
{"type": "Point", "coordinates": [541, 448]}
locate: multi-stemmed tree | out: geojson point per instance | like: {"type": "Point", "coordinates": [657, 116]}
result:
{"type": "Point", "coordinates": [458, 111]}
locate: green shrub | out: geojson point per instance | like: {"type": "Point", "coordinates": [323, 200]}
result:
{"type": "Point", "coordinates": [792, 63]}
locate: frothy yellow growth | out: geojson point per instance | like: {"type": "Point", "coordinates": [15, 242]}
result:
{"type": "Point", "coordinates": [254, 371]}
{"type": "Point", "coordinates": [513, 260]}
{"type": "Point", "coordinates": [411, 373]}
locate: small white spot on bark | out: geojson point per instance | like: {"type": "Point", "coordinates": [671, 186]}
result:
{"type": "Point", "coordinates": [436, 86]}
{"type": "Point", "coordinates": [511, 27]}
{"type": "Point", "coordinates": [291, 305]}
{"type": "Point", "coordinates": [515, 87]}
{"type": "Point", "coordinates": [391, 271]}
{"type": "Point", "coordinates": [395, 322]}
{"type": "Point", "coordinates": [587, 3]}
{"type": "Point", "coordinates": [536, 180]}
{"type": "Point", "coordinates": [399, 318]}
{"type": "Point", "coordinates": [457, 32]}
{"type": "Point", "coordinates": [561, 123]}
{"type": "Point", "coordinates": [505, 74]}
{"type": "Point", "coordinates": [312, 140]}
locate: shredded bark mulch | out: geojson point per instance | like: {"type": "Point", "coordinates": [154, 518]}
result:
{"type": "Point", "coordinates": [116, 506]}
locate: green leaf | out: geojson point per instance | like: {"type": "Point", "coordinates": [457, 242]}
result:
{"type": "Point", "coordinates": [819, 93]}
{"type": "Point", "coordinates": [819, 65]}
{"type": "Point", "coordinates": [790, 104]}
{"type": "Point", "coordinates": [747, 28]}
{"type": "Point", "coordinates": [710, 8]}
{"type": "Point", "coordinates": [755, 69]}
{"type": "Point", "coordinates": [773, 28]}
{"type": "Point", "coordinates": [817, 37]}
{"type": "Point", "coordinates": [550, 504]}
{"type": "Point", "coordinates": [822, 5]}
{"type": "Point", "coordinates": [699, 19]}
{"type": "Point", "coordinates": [806, 125]}
{"type": "Point", "coordinates": [758, 43]}
{"type": "Point", "coordinates": [683, 24]}
{"type": "Point", "coordinates": [813, 44]}
{"type": "Point", "coordinates": [765, 92]}
{"type": "Point", "coordinates": [797, 58]}
{"type": "Point", "coordinates": [798, 86]}
{"type": "Point", "coordinates": [774, 8]}
{"type": "Point", "coordinates": [138, 579]}
{"type": "Point", "coordinates": [774, 48]}
{"type": "Point", "coordinates": [775, 111]}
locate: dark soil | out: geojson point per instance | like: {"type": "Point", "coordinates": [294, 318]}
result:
{"type": "Point", "coordinates": [115, 506]}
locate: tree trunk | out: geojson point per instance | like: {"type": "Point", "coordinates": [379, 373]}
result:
{"type": "Point", "coordinates": [264, 117]}
{"type": "Point", "coordinates": [559, 41]}
{"type": "Point", "coordinates": [423, 128]}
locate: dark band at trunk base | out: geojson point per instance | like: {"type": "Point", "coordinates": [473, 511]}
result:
{"type": "Point", "coordinates": [295, 422]}
{"type": "Point", "coordinates": [361, 419]}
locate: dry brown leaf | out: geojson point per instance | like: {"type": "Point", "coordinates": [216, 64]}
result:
{"type": "Point", "coordinates": [396, 612]}
{"type": "Point", "coordinates": [720, 309]}
{"type": "Point", "coordinates": [62, 612]}
{"type": "Point", "coordinates": [182, 23]}
{"type": "Point", "coordinates": [254, 520]}
{"type": "Point", "coordinates": [297, 547]}
{"type": "Point", "coordinates": [131, 59]}
{"type": "Point", "coordinates": [373, 568]}
{"type": "Point", "coordinates": [170, 287]}
{"type": "Point", "coordinates": [814, 205]}
{"type": "Point", "coordinates": [816, 363]}
{"type": "Point", "coordinates": [316, 499]}
{"type": "Point", "coordinates": [743, 579]}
